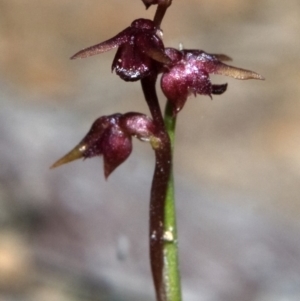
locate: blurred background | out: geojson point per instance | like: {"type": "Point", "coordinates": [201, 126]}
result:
{"type": "Point", "coordinates": [68, 234]}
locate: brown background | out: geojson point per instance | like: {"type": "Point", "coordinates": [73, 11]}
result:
{"type": "Point", "coordinates": [67, 234]}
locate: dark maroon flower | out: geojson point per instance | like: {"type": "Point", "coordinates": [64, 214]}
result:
{"type": "Point", "coordinates": [111, 137]}
{"type": "Point", "coordinates": [140, 51]}
{"type": "Point", "coordinates": [189, 74]}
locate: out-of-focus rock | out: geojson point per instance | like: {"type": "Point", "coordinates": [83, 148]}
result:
{"type": "Point", "coordinates": [16, 266]}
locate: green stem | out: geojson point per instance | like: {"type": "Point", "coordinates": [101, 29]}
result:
{"type": "Point", "coordinates": [170, 246]}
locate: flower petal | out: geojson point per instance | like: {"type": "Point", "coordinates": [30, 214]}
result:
{"type": "Point", "coordinates": [237, 73]}
{"type": "Point", "coordinates": [74, 154]}
{"type": "Point", "coordinates": [158, 55]}
{"type": "Point", "coordinates": [107, 45]}
{"type": "Point", "coordinates": [138, 125]}
{"type": "Point", "coordinates": [175, 86]}
{"type": "Point", "coordinates": [117, 147]}
{"type": "Point", "coordinates": [130, 64]}
{"type": "Point", "coordinates": [153, 47]}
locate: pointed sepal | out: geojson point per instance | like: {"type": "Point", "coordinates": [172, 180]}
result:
{"type": "Point", "coordinates": [237, 73]}
{"type": "Point", "coordinates": [110, 44]}
{"type": "Point", "coordinates": [74, 154]}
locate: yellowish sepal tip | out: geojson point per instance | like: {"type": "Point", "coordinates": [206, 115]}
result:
{"type": "Point", "coordinates": [74, 154]}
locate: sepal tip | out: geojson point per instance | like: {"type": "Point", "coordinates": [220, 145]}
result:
{"type": "Point", "coordinates": [74, 154]}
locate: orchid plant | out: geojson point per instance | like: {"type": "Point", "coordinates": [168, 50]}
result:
{"type": "Point", "coordinates": [142, 56]}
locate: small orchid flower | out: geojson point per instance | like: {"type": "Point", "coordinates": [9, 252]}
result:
{"type": "Point", "coordinates": [140, 50]}
{"type": "Point", "coordinates": [189, 74]}
{"type": "Point", "coordinates": [110, 136]}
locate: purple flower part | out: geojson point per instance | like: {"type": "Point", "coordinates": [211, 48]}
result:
{"type": "Point", "coordinates": [153, 47]}
{"type": "Point", "coordinates": [130, 64]}
{"type": "Point", "coordinates": [138, 125]}
{"type": "Point", "coordinates": [140, 57]}
{"type": "Point", "coordinates": [212, 63]}
{"type": "Point", "coordinates": [116, 148]}
{"type": "Point", "coordinates": [183, 79]}
{"type": "Point", "coordinates": [175, 55]}
{"type": "Point", "coordinates": [140, 52]}
{"type": "Point", "coordinates": [107, 138]}
{"type": "Point", "coordinates": [107, 45]}
{"type": "Point", "coordinates": [189, 74]}
{"type": "Point", "coordinates": [91, 144]}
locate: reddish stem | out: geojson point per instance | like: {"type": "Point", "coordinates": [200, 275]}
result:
{"type": "Point", "coordinates": [163, 162]}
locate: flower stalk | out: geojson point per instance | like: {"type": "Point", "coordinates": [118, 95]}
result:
{"type": "Point", "coordinates": [160, 182]}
